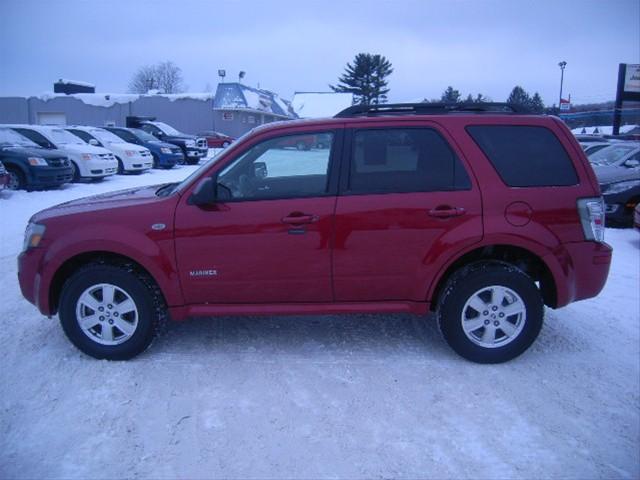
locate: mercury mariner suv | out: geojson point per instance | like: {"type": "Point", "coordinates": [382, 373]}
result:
{"type": "Point", "coordinates": [480, 213]}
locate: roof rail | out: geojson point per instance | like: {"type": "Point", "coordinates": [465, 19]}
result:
{"type": "Point", "coordinates": [430, 109]}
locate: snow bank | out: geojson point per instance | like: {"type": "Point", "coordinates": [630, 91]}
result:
{"type": "Point", "coordinates": [320, 104]}
{"type": "Point", "coordinates": [110, 99]}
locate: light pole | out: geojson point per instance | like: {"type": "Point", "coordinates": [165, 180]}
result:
{"type": "Point", "coordinates": [562, 64]}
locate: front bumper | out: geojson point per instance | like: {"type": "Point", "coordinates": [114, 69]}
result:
{"type": "Point", "coordinates": [30, 280]}
{"type": "Point", "coordinates": [43, 177]}
{"type": "Point", "coordinates": [168, 160]}
{"type": "Point", "coordinates": [196, 153]}
{"type": "Point", "coordinates": [99, 168]}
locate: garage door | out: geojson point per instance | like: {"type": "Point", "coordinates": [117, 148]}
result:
{"type": "Point", "coordinates": [51, 118]}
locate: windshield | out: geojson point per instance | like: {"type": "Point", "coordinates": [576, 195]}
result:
{"type": "Point", "coordinates": [9, 137]}
{"type": "Point", "coordinates": [167, 129]}
{"type": "Point", "coordinates": [611, 155]}
{"type": "Point", "coordinates": [105, 136]}
{"type": "Point", "coordinates": [142, 135]}
{"type": "Point", "coordinates": [62, 137]}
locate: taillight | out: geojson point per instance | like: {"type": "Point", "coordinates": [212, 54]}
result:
{"type": "Point", "coordinates": [591, 211]}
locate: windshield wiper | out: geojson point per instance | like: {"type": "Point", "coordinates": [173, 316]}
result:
{"type": "Point", "coordinates": [166, 189]}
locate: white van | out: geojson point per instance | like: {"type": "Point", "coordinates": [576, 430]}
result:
{"type": "Point", "coordinates": [87, 161]}
{"type": "Point", "coordinates": [131, 157]}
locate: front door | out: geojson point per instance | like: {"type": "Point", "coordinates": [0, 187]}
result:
{"type": "Point", "coordinates": [267, 240]}
{"type": "Point", "coordinates": [405, 200]}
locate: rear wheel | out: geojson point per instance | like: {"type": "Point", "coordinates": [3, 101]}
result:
{"type": "Point", "coordinates": [490, 312]}
{"type": "Point", "coordinates": [111, 312]}
{"type": "Point", "coordinates": [16, 179]}
{"type": "Point", "coordinates": [225, 144]}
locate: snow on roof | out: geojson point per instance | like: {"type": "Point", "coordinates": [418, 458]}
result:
{"type": "Point", "coordinates": [76, 82]}
{"type": "Point", "coordinates": [320, 104]}
{"type": "Point", "coordinates": [110, 99]}
{"type": "Point", "coordinates": [603, 129]}
{"type": "Point", "coordinates": [235, 96]}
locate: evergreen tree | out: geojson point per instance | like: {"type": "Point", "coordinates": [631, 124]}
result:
{"type": "Point", "coordinates": [537, 105]}
{"type": "Point", "coordinates": [450, 95]}
{"type": "Point", "coordinates": [469, 99]}
{"type": "Point", "coordinates": [519, 96]}
{"type": "Point", "coordinates": [481, 99]}
{"type": "Point", "coordinates": [366, 79]}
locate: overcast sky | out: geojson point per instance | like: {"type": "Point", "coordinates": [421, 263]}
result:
{"type": "Point", "coordinates": [303, 45]}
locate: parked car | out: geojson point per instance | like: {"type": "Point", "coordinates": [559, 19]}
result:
{"type": "Point", "coordinates": [165, 155]}
{"type": "Point", "coordinates": [301, 142]}
{"type": "Point", "coordinates": [636, 217]}
{"type": "Point", "coordinates": [131, 158]}
{"type": "Point", "coordinates": [620, 187]}
{"type": "Point", "coordinates": [593, 147]}
{"type": "Point", "coordinates": [193, 148]}
{"type": "Point", "coordinates": [479, 213]}
{"type": "Point", "coordinates": [618, 154]}
{"type": "Point", "coordinates": [87, 161]}
{"type": "Point", "coordinates": [4, 177]}
{"type": "Point", "coordinates": [217, 139]}
{"type": "Point", "coordinates": [27, 166]}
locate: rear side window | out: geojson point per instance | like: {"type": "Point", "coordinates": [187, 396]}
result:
{"type": "Point", "coordinates": [525, 156]}
{"type": "Point", "coordinates": [404, 160]}
{"type": "Point", "coordinates": [83, 135]}
{"type": "Point", "coordinates": [35, 137]}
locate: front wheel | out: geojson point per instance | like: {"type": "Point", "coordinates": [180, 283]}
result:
{"type": "Point", "coordinates": [490, 312]}
{"type": "Point", "coordinates": [16, 180]}
{"type": "Point", "coordinates": [110, 312]}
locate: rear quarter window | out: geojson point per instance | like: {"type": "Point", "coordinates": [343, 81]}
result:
{"type": "Point", "coordinates": [525, 156]}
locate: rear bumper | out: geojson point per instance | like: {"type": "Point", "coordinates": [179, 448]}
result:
{"type": "Point", "coordinates": [584, 271]}
{"type": "Point", "coordinates": [169, 159]}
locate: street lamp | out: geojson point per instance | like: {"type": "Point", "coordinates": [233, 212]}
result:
{"type": "Point", "coordinates": [561, 65]}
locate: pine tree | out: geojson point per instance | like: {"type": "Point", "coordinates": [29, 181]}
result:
{"type": "Point", "coordinates": [469, 99]}
{"type": "Point", "coordinates": [366, 79]}
{"type": "Point", "coordinates": [450, 95]}
{"type": "Point", "coordinates": [536, 105]}
{"type": "Point", "coordinates": [519, 96]}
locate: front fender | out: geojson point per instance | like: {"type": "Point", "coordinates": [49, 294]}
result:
{"type": "Point", "coordinates": [153, 251]}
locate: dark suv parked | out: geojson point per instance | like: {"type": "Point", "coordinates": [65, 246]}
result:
{"type": "Point", "coordinates": [480, 213]}
{"type": "Point", "coordinates": [165, 155]}
{"type": "Point", "coordinates": [193, 148]}
{"type": "Point", "coordinates": [29, 166]}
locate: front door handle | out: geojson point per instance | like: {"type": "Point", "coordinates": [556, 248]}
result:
{"type": "Point", "coordinates": [445, 211]}
{"type": "Point", "coordinates": [297, 218]}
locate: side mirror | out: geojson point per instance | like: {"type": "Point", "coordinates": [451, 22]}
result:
{"type": "Point", "coordinates": [260, 170]}
{"type": "Point", "coordinates": [94, 142]}
{"type": "Point", "coordinates": [632, 163]}
{"type": "Point", "coordinates": [159, 134]}
{"type": "Point", "coordinates": [204, 193]}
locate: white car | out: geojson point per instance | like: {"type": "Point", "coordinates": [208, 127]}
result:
{"type": "Point", "coordinates": [87, 161]}
{"type": "Point", "coordinates": [131, 157]}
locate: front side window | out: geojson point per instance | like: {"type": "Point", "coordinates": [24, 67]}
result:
{"type": "Point", "coordinates": [282, 167]}
{"type": "Point", "coordinates": [62, 137]}
{"type": "Point", "coordinates": [400, 160]}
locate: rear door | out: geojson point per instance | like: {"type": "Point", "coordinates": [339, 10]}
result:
{"type": "Point", "coordinates": [406, 200]}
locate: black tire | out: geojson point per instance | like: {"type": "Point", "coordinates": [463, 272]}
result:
{"type": "Point", "coordinates": [16, 179]}
{"type": "Point", "coordinates": [120, 167]}
{"type": "Point", "coordinates": [142, 290]}
{"type": "Point", "coordinates": [225, 144]}
{"type": "Point", "coordinates": [475, 281]}
{"type": "Point", "coordinates": [156, 161]}
{"type": "Point", "coordinates": [75, 172]}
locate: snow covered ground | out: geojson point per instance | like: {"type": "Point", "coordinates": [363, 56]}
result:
{"type": "Point", "coordinates": [358, 396]}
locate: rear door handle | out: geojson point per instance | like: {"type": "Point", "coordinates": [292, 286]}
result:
{"type": "Point", "coordinates": [299, 219]}
{"type": "Point", "coordinates": [445, 211]}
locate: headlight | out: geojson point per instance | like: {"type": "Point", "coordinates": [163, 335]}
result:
{"type": "Point", "coordinates": [165, 150]}
{"type": "Point", "coordinates": [129, 153]}
{"type": "Point", "coordinates": [87, 156]}
{"type": "Point", "coordinates": [618, 187]}
{"type": "Point", "coordinates": [37, 161]}
{"type": "Point", "coordinates": [190, 143]}
{"type": "Point", "coordinates": [32, 236]}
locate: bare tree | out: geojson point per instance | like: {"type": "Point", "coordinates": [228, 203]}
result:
{"type": "Point", "coordinates": [169, 77]}
{"type": "Point", "coordinates": [164, 76]}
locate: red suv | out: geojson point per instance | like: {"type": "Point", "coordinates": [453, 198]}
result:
{"type": "Point", "coordinates": [480, 213]}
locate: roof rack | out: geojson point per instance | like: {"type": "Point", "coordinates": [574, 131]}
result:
{"type": "Point", "coordinates": [430, 109]}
